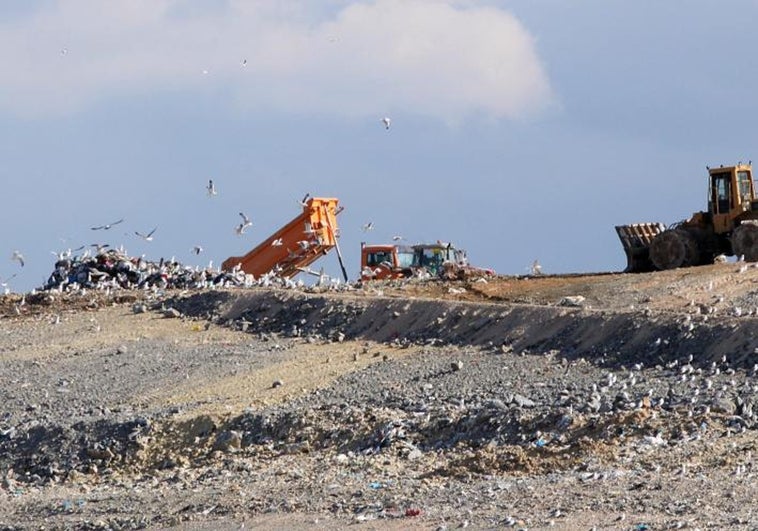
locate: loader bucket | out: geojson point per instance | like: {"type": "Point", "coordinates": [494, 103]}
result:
{"type": "Point", "coordinates": [636, 240]}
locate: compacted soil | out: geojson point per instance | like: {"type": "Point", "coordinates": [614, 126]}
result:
{"type": "Point", "coordinates": [607, 401]}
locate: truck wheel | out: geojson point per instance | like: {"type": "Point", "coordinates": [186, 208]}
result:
{"type": "Point", "coordinates": [674, 248]}
{"type": "Point", "coordinates": [745, 241]}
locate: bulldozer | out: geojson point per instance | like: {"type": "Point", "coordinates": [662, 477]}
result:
{"type": "Point", "coordinates": [728, 227]}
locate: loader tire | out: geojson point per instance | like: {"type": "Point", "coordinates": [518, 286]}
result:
{"type": "Point", "coordinates": [745, 242]}
{"type": "Point", "coordinates": [674, 248]}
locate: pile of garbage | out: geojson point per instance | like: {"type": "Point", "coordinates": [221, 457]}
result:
{"type": "Point", "coordinates": [113, 269]}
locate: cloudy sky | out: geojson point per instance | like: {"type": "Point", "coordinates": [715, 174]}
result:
{"type": "Point", "coordinates": [521, 129]}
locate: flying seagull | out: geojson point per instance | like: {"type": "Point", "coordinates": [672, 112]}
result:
{"type": "Point", "coordinates": [386, 121]}
{"type": "Point", "coordinates": [277, 242]}
{"type": "Point", "coordinates": [211, 188]}
{"type": "Point", "coordinates": [246, 223]}
{"type": "Point", "coordinates": [147, 237]}
{"type": "Point", "coordinates": [18, 257]}
{"type": "Point", "coordinates": [368, 226]}
{"type": "Point", "coordinates": [197, 249]}
{"type": "Point", "coordinates": [107, 225]}
{"type": "Point", "coordinates": [304, 201]}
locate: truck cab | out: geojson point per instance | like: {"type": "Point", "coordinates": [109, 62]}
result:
{"type": "Point", "coordinates": [379, 262]}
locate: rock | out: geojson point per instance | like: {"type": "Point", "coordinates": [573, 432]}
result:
{"type": "Point", "coordinates": [572, 300]}
{"type": "Point", "coordinates": [415, 454]}
{"type": "Point", "coordinates": [172, 313]}
{"type": "Point", "coordinates": [228, 441]}
{"type": "Point", "coordinates": [522, 401]}
{"type": "Point", "coordinates": [122, 349]}
{"type": "Point", "coordinates": [724, 405]}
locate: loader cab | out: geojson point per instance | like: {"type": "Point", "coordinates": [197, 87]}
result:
{"type": "Point", "coordinates": [731, 193]}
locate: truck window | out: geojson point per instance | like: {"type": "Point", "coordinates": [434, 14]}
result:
{"type": "Point", "coordinates": [405, 259]}
{"type": "Point", "coordinates": [379, 257]}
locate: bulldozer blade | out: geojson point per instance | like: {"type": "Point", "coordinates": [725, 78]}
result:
{"type": "Point", "coordinates": [635, 239]}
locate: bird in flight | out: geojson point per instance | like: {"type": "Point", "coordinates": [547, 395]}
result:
{"type": "Point", "coordinates": [107, 225]}
{"type": "Point", "coordinates": [277, 242]}
{"type": "Point", "coordinates": [386, 121]}
{"type": "Point", "coordinates": [242, 227]}
{"type": "Point", "coordinates": [147, 237]}
{"type": "Point", "coordinates": [397, 238]}
{"type": "Point", "coordinates": [18, 257]}
{"type": "Point", "coordinates": [197, 249]}
{"type": "Point", "coordinates": [368, 226]}
{"type": "Point", "coordinates": [304, 201]}
{"type": "Point", "coordinates": [211, 188]}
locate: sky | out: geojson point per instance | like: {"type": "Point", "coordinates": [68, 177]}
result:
{"type": "Point", "coordinates": [520, 130]}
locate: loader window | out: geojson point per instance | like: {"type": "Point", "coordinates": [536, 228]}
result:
{"type": "Point", "coordinates": [743, 179]}
{"type": "Point", "coordinates": [722, 193]}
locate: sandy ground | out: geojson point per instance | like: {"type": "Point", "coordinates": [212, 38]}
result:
{"type": "Point", "coordinates": [576, 402]}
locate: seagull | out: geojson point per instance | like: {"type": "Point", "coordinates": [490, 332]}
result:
{"type": "Point", "coordinates": [536, 268]}
{"type": "Point", "coordinates": [197, 249]}
{"type": "Point", "coordinates": [277, 242]}
{"type": "Point", "coordinates": [386, 121]}
{"type": "Point", "coordinates": [211, 188]}
{"type": "Point", "coordinates": [304, 201]}
{"type": "Point", "coordinates": [368, 226]}
{"type": "Point", "coordinates": [18, 257]}
{"type": "Point", "coordinates": [304, 244]}
{"type": "Point", "coordinates": [397, 238]}
{"type": "Point", "coordinates": [4, 284]}
{"type": "Point", "coordinates": [107, 225]}
{"type": "Point", "coordinates": [147, 237]}
{"type": "Point", "coordinates": [246, 223]}
{"type": "Point", "coordinates": [63, 255]}
{"type": "Point", "coordinates": [244, 62]}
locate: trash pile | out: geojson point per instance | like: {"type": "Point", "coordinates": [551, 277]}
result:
{"type": "Point", "coordinates": [113, 269]}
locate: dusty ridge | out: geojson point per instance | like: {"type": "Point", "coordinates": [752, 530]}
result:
{"type": "Point", "coordinates": [618, 338]}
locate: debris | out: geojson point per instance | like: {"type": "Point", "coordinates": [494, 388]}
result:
{"type": "Point", "coordinates": [572, 300]}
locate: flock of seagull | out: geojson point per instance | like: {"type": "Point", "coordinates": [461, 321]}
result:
{"type": "Point", "coordinates": [211, 191]}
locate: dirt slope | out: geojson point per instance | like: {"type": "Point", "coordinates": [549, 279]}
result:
{"type": "Point", "coordinates": [607, 401]}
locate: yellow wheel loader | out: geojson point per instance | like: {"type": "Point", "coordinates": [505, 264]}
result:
{"type": "Point", "coordinates": [729, 227]}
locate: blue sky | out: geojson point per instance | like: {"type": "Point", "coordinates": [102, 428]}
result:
{"type": "Point", "coordinates": [521, 130]}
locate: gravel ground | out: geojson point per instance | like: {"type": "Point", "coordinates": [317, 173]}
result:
{"type": "Point", "coordinates": [278, 410]}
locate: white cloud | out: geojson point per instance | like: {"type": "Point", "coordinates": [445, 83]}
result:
{"type": "Point", "coordinates": [437, 58]}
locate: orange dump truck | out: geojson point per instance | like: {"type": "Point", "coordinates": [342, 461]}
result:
{"type": "Point", "coordinates": [298, 244]}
